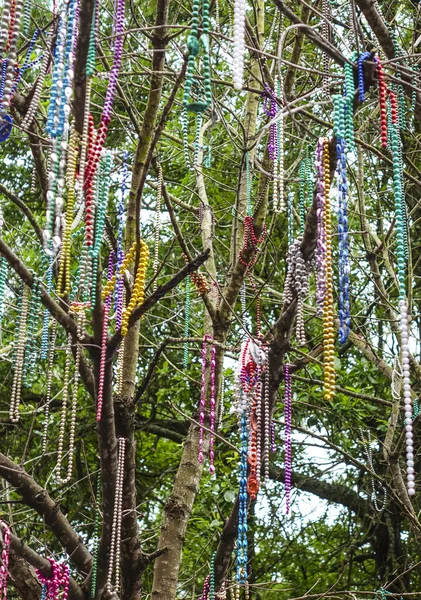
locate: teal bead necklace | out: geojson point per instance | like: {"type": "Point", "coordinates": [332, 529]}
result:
{"type": "Point", "coordinates": [104, 183]}
{"type": "Point", "coordinates": [33, 321]}
{"type": "Point", "coordinates": [212, 578]}
{"type": "Point", "coordinates": [398, 88]}
{"type": "Point", "coordinates": [197, 45]}
{"type": "Point", "coordinates": [348, 105]}
{"type": "Point", "coordinates": [3, 277]}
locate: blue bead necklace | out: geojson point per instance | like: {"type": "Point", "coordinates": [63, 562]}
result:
{"type": "Point", "coordinates": [242, 543]}
{"type": "Point", "coordinates": [361, 90]}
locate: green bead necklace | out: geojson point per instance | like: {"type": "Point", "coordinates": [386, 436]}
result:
{"type": "Point", "coordinates": [212, 578]}
{"type": "Point", "coordinates": [104, 183]}
{"type": "Point", "coordinates": [349, 99]}
{"type": "Point", "coordinates": [196, 46]}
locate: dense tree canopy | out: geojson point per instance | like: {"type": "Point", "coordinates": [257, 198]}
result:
{"type": "Point", "coordinates": [110, 391]}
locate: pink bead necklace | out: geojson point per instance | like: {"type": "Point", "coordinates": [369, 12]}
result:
{"type": "Point", "coordinates": [59, 579]}
{"type": "Point", "coordinates": [4, 567]}
{"type": "Point", "coordinates": [206, 339]}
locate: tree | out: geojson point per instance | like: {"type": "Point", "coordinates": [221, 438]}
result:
{"type": "Point", "coordinates": [106, 424]}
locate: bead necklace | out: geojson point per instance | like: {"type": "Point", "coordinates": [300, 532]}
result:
{"type": "Point", "coordinates": [157, 227]}
{"type": "Point", "coordinates": [382, 99]}
{"type": "Point", "coordinates": [94, 155]}
{"type": "Point", "coordinates": [361, 90]}
{"type": "Point", "coordinates": [12, 13]}
{"type": "Point", "coordinates": [326, 36]}
{"type": "Point", "coordinates": [239, 43]}
{"type": "Point", "coordinates": [138, 291]}
{"type": "Point", "coordinates": [104, 183]}
{"type": "Point", "coordinates": [241, 569]}
{"type": "Point", "coordinates": [63, 417]}
{"type": "Point", "coordinates": [328, 322]}
{"type": "Point", "coordinates": [349, 100]}
{"type": "Point", "coordinates": [59, 579]}
{"type": "Point", "coordinates": [46, 319]}
{"type": "Point", "coordinates": [33, 319]}
{"type": "Point", "coordinates": [186, 323]}
{"type": "Point", "coordinates": [369, 457]}
{"type": "Point", "coordinates": [279, 183]}
{"type": "Point", "coordinates": [212, 578]}
{"type": "Point", "coordinates": [212, 402]}
{"type": "Point", "coordinates": [297, 284]}
{"type": "Point", "coordinates": [339, 132]}
{"type": "Point", "coordinates": [63, 285]}
{"type": "Point", "coordinates": [288, 445]}
{"type": "Point", "coordinates": [30, 113]}
{"type": "Point", "coordinates": [110, 285]}
{"type": "Point", "coordinates": [306, 190]}
{"type": "Point", "coordinates": [206, 589]}
{"type": "Point", "coordinates": [27, 64]}
{"type": "Point", "coordinates": [321, 236]}
{"type": "Point", "coordinates": [194, 44]}
{"type": "Point", "coordinates": [4, 567]}
{"type": "Point", "coordinates": [3, 278]}
{"type": "Point", "coordinates": [96, 535]}
{"type": "Point", "coordinates": [19, 356]}
{"type": "Point", "coordinates": [290, 220]}
{"type": "Point", "coordinates": [114, 560]}
{"type": "Point", "coordinates": [51, 353]}
{"type": "Point", "coordinates": [120, 249]}
{"type": "Point", "coordinates": [101, 376]}
{"type": "Point", "coordinates": [266, 413]}
{"type": "Point", "coordinates": [275, 147]}
{"type": "Point", "coordinates": [399, 200]}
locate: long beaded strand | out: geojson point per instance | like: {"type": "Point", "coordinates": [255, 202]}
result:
{"type": "Point", "coordinates": [321, 236]}
{"type": "Point", "coordinates": [33, 318]}
{"type": "Point", "coordinates": [3, 278]}
{"type": "Point", "coordinates": [328, 323]}
{"type": "Point", "coordinates": [19, 357]}
{"type": "Point", "coordinates": [120, 250]}
{"type": "Point", "coordinates": [157, 227]}
{"type": "Point", "coordinates": [107, 306]}
{"type": "Point", "coordinates": [4, 567]}
{"type": "Point", "coordinates": [138, 291]}
{"type": "Point", "coordinates": [186, 323]}
{"type": "Point", "coordinates": [239, 43]}
{"type": "Point", "coordinates": [403, 308]}
{"type": "Point", "coordinates": [288, 445]}
{"type": "Point", "coordinates": [382, 99]}
{"type": "Point", "coordinates": [212, 401]}
{"type": "Point", "coordinates": [63, 417]}
{"type": "Point", "coordinates": [96, 536]}
{"type": "Point", "coordinates": [114, 560]}
{"type": "Point", "coordinates": [51, 353]}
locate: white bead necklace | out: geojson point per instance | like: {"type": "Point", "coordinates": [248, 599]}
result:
{"type": "Point", "coordinates": [239, 43]}
{"type": "Point", "coordinates": [114, 560]}
{"type": "Point", "coordinates": [407, 398]}
{"type": "Point", "coordinates": [19, 359]}
{"type": "Point", "coordinates": [157, 226]}
{"type": "Point", "coordinates": [64, 401]}
{"type": "Point", "coordinates": [49, 382]}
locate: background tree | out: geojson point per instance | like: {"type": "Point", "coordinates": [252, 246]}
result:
{"type": "Point", "coordinates": [341, 539]}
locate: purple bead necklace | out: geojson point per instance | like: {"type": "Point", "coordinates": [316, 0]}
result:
{"type": "Point", "coordinates": [321, 234]}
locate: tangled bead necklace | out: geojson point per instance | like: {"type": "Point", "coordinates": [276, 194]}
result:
{"type": "Point", "coordinates": [4, 567]}
{"type": "Point", "coordinates": [138, 291]}
{"type": "Point", "coordinates": [212, 401]}
{"type": "Point", "coordinates": [59, 579]}
{"type": "Point", "coordinates": [114, 560]}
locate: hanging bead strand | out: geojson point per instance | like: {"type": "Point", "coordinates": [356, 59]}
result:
{"type": "Point", "coordinates": [328, 322]}
{"type": "Point", "coordinates": [51, 354]}
{"type": "Point", "coordinates": [157, 227]}
{"type": "Point", "coordinates": [4, 567]}
{"type": "Point", "coordinates": [63, 417]}
{"type": "Point", "coordinates": [288, 445]}
{"type": "Point", "coordinates": [19, 356]}
{"type": "Point", "coordinates": [107, 306]}
{"type": "Point", "coordinates": [114, 559]}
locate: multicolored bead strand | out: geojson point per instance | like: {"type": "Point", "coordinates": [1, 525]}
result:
{"type": "Point", "coordinates": [114, 559]}
{"type": "Point", "coordinates": [19, 356]}
{"type": "Point", "coordinates": [328, 322]}
{"type": "Point", "coordinates": [157, 227]}
{"type": "Point", "coordinates": [288, 444]}
{"type": "Point", "coordinates": [104, 183]}
{"type": "Point", "coordinates": [4, 567]}
{"type": "Point", "coordinates": [239, 43]}
{"type": "Point", "coordinates": [95, 154]}
{"type": "Point", "coordinates": [59, 579]}
{"type": "Point", "coordinates": [403, 308]}
{"type": "Point", "coordinates": [120, 250]}
{"type": "Point", "coordinates": [101, 376]}
{"type": "Point", "coordinates": [242, 510]}
{"type": "Point", "coordinates": [138, 291]}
